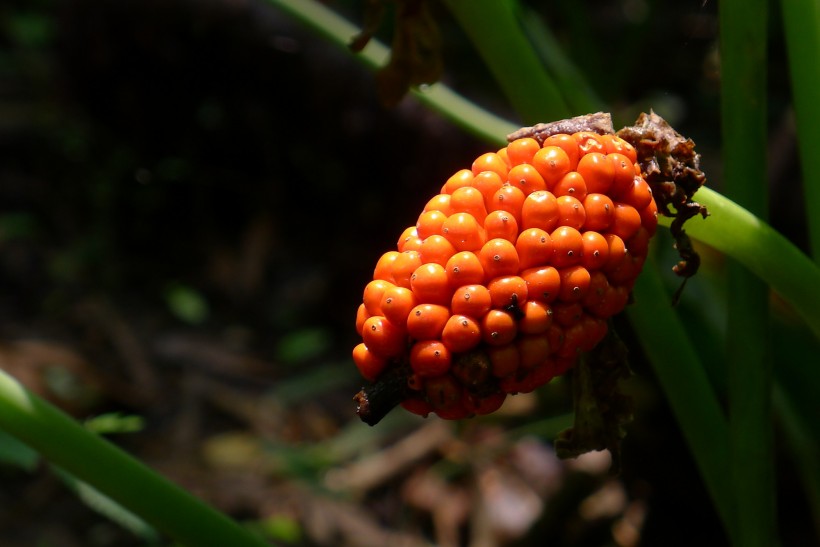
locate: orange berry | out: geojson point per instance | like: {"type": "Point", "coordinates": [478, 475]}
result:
{"type": "Point", "coordinates": [396, 304]}
{"type": "Point", "coordinates": [456, 411]}
{"type": "Point", "coordinates": [614, 301]}
{"type": "Point", "coordinates": [573, 340]}
{"type": "Point", "coordinates": [490, 162]}
{"type": "Point", "coordinates": [429, 223]}
{"type": "Point", "coordinates": [488, 183]}
{"type": "Point", "coordinates": [555, 336]}
{"type": "Point", "coordinates": [469, 200]}
{"type": "Point", "coordinates": [430, 358]}
{"type": "Point", "coordinates": [409, 240]}
{"type": "Point", "coordinates": [566, 143]}
{"type": "Point", "coordinates": [507, 290]}
{"type": "Point", "coordinates": [362, 316]}
{"type": "Point", "coordinates": [502, 152]}
{"type": "Point", "coordinates": [638, 194]}
{"type": "Point", "coordinates": [625, 272]}
{"type": "Point", "coordinates": [436, 249]}
{"type": "Point", "coordinates": [571, 212]}
{"type": "Point", "coordinates": [575, 281]}
{"type": "Point", "coordinates": [404, 266]}
{"type": "Point", "coordinates": [527, 178]}
{"type": "Point", "coordinates": [369, 364]}
{"type": "Point", "coordinates": [567, 314]}
{"type": "Point", "coordinates": [504, 359]}
{"type": "Point", "coordinates": [617, 250]}
{"type": "Point", "coordinates": [443, 392]}
{"type": "Point", "coordinates": [459, 179]}
{"type": "Point", "coordinates": [638, 244]}
{"type": "Point", "coordinates": [572, 184]}
{"type": "Point", "coordinates": [589, 142]}
{"type": "Point", "coordinates": [649, 217]}
{"type": "Point", "coordinates": [498, 327]}
{"type": "Point", "coordinates": [534, 350]}
{"type": "Point", "coordinates": [426, 321]}
{"type": "Point", "coordinates": [498, 257]}
{"type": "Point", "coordinates": [598, 285]}
{"type": "Point", "coordinates": [543, 283]}
{"type": "Point", "coordinates": [626, 221]}
{"type": "Point", "coordinates": [463, 231]}
{"type": "Point", "coordinates": [539, 376]}
{"type": "Point", "coordinates": [372, 296]}
{"type": "Point", "coordinates": [598, 172]}
{"type": "Point", "coordinates": [471, 300]}
{"type": "Point", "coordinates": [417, 406]}
{"type": "Point", "coordinates": [440, 202]}
{"type": "Point", "coordinates": [501, 224]}
{"type": "Point", "coordinates": [522, 150]}
{"type": "Point", "coordinates": [464, 269]}
{"type": "Point", "coordinates": [485, 404]}
{"type": "Point", "coordinates": [552, 163]}
{"type": "Point", "coordinates": [567, 246]}
{"type": "Point", "coordinates": [430, 284]}
{"type": "Point", "coordinates": [383, 338]}
{"type": "Point", "coordinates": [537, 317]}
{"type": "Point", "coordinates": [600, 210]}
{"type": "Point", "coordinates": [534, 248]}
{"type": "Point", "coordinates": [623, 172]}
{"type": "Point", "coordinates": [595, 330]}
{"type": "Point", "coordinates": [461, 333]}
{"type": "Point", "coordinates": [508, 198]}
{"type": "Point", "coordinates": [384, 266]}
{"type": "Point", "coordinates": [596, 250]}
{"type": "Point", "coordinates": [539, 210]}
{"type": "Point", "coordinates": [615, 144]}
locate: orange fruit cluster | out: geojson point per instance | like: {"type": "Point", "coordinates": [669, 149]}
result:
{"type": "Point", "coordinates": [509, 273]}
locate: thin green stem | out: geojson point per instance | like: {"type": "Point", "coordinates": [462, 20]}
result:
{"type": "Point", "coordinates": [437, 97]}
{"type": "Point", "coordinates": [493, 28]}
{"type": "Point", "coordinates": [92, 459]}
{"type": "Point", "coordinates": [801, 20]}
{"type": "Point", "coordinates": [734, 231]}
{"type": "Point", "coordinates": [804, 450]}
{"type": "Point", "coordinates": [749, 363]}
{"type": "Point", "coordinates": [686, 386]}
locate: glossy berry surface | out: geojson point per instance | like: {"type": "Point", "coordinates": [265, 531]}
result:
{"type": "Point", "coordinates": [509, 273]}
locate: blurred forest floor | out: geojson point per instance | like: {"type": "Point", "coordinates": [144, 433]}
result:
{"type": "Point", "coordinates": [193, 195]}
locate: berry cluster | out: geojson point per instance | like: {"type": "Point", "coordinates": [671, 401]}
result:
{"type": "Point", "coordinates": [510, 272]}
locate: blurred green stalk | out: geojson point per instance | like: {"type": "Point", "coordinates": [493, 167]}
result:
{"type": "Point", "coordinates": [494, 29]}
{"type": "Point", "coordinates": [737, 233]}
{"type": "Point", "coordinates": [801, 20]}
{"type": "Point", "coordinates": [750, 383]}
{"type": "Point", "coordinates": [437, 97]}
{"type": "Point", "coordinates": [92, 459]}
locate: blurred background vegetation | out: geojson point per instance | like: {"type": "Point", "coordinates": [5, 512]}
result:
{"type": "Point", "coordinates": [192, 196]}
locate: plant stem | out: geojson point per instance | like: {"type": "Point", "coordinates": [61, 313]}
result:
{"type": "Point", "coordinates": [437, 97]}
{"type": "Point", "coordinates": [683, 380]}
{"type": "Point", "coordinates": [92, 459]}
{"type": "Point", "coordinates": [743, 107]}
{"type": "Point", "coordinates": [737, 233]}
{"type": "Point", "coordinates": [493, 28]}
{"type": "Point", "coordinates": [801, 20]}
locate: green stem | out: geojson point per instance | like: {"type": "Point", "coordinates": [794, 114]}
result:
{"type": "Point", "coordinates": [739, 234]}
{"type": "Point", "coordinates": [494, 30]}
{"type": "Point", "coordinates": [114, 473]}
{"type": "Point", "coordinates": [743, 108]}
{"type": "Point", "coordinates": [437, 97]}
{"type": "Point", "coordinates": [801, 20]}
{"type": "Point", "coordinates": [683, 379]}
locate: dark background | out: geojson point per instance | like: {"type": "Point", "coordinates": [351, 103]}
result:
{"type": "Point", "coordinates": [193, 195]}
